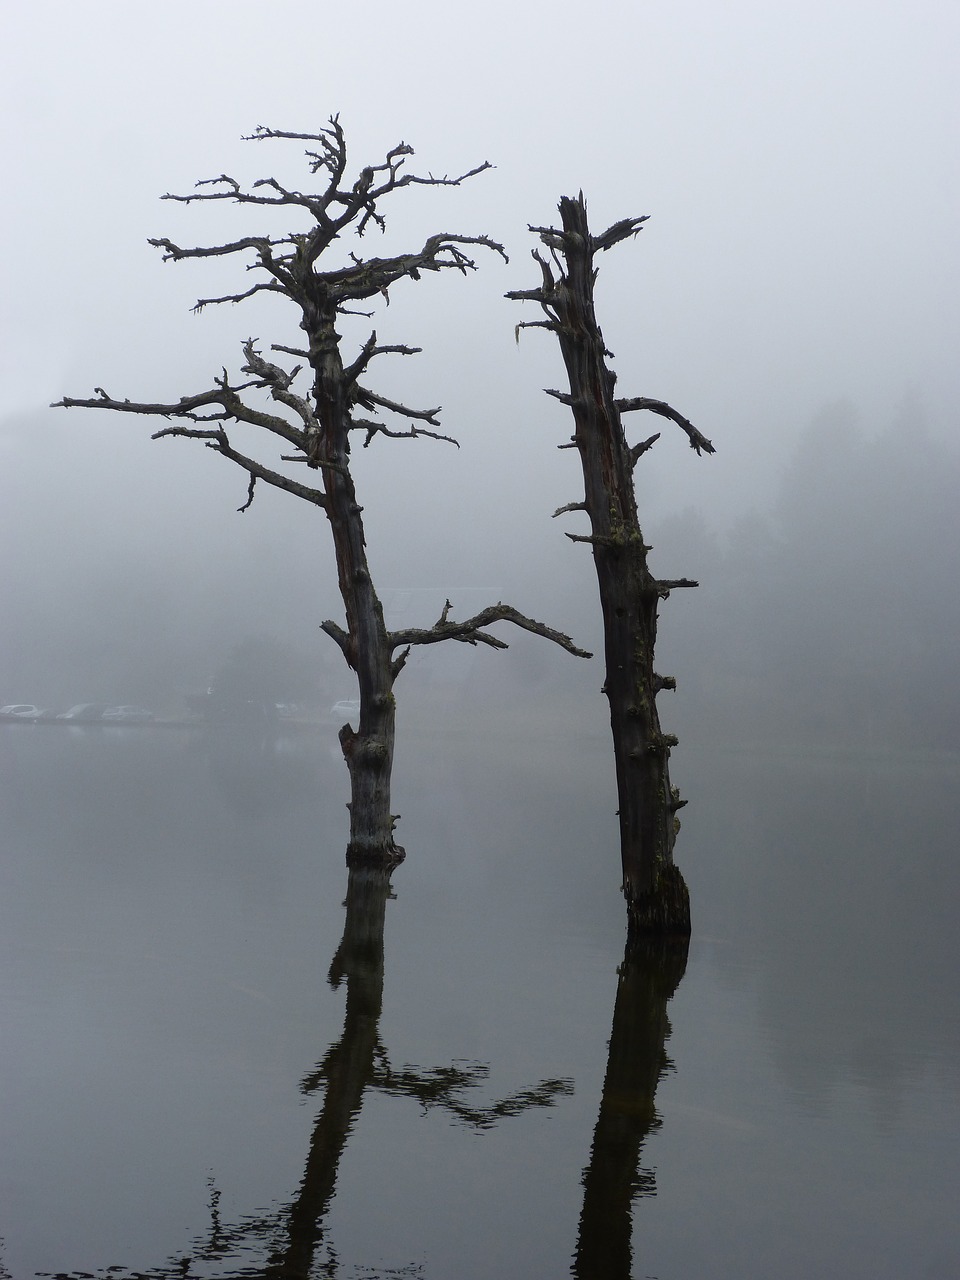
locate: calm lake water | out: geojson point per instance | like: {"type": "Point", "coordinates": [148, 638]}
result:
{"type": "Point", "coordinates": [208, 1070]}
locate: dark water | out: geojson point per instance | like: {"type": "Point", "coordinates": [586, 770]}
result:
{"type": "Point", "coordinates": [184, 1092]}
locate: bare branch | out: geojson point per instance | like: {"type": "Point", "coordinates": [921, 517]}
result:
{"type": "Point", "coordinates": [265, 286]}
{"type": "Point", "coordinates": [250, 490]}
{"type": "Point", "coordinates": [399, 662]}
{"type": "Point", "coordinates": [571, 506]}
{"type": "Point", "coordinates": [370, 400]}
{"type": "Point", "coordinates": [244, 197]}
{"type": "Point", "coordinates": [338, 634]}
{"type": "Point", "coordinates": [622, 230]}
{"type": "Point", "coordinates": [262, 133]}
{"type": "Point", "coordinates": [233, 407]}
{"type": "Point", "coordinates": [639, 449]}
{"type": "Point", "coordinates": [698, 442]}
{"type": "Point", "coordinates": [219, 441]}
{"type": "Point", "coordinates": [532, 324]}
{"type": "Point", "coordinates": [224, 395]}
{"type": "Point", "coordinates": [444, 614]}
{"type": "Point", "coordinates": [563, 396]}
{"type": "Point", "coordinates": [378, 429]}
{"type": "Point", "coordinates": [279, 381]}
{"type": "Point", "coordinates": [371, 276]}
{"type": "Point", "coordinates": [184, 408]}
{"type": "Point", "coordinates": [471, 631]}
{"type": "Point", "coordinates": [575, 241]}
{"type": "Point", "coordinates": [261, 244]}
{"type": "Point", "coordinates": [191, 433]}
{"type": "Point", "coordinates": [554, 239]}
{"type": "Point", "coordinates": [367, 353]}
{"type": "Point", "coordinates": [337, 206]}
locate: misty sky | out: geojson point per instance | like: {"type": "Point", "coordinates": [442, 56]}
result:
{"type": "Point", "coordinates": [798, 161]}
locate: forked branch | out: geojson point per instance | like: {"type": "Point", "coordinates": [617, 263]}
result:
{"type": "Point", "coordinates": [698, 442]}
{"type": "Point", "coordinates": [289, 259]}
{"type": "Point", "coordinates": [189, 408]}
{"type": "Point", "coordinates": [471, 630]}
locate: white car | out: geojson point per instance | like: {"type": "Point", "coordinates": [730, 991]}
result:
{"type": "Point", "coordinates": [21, 711]}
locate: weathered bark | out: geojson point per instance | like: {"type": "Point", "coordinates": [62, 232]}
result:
{"type": "Point", "coordinates": [636, 1062]}
{"type": "Point", "coordinates": [318, 425]}
{"type": "Point", "coordinates": [630, 595]}
{"type": "Point", "coordinates": [368, 748]}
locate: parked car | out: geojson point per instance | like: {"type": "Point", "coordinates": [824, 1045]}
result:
{"type": "Point", "coordinates": [21, 711]}
{"type": "Point", "coordinates": [127, 715]}
{"type": "Point", "coordinates": [84, 712]}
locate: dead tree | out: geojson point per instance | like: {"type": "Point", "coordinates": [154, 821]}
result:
{"type": "Point", "coordinates": [314, 424]}
{"type": "Point", "coordinates": [630, 595]}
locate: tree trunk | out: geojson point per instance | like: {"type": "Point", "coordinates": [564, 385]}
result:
{"type": "Point", "coordinates": [368, 752]}
{"type": "Point", "coordinates": [368, 748]}
{"type": "Point", "coordinates": [656, 895]}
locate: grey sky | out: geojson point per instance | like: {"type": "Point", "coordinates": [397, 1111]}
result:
{"type": "Point", "coordinates": [798, 161]}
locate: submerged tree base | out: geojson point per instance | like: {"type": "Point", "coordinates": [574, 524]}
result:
{"type": "Point", "coordinates": [379, 858]}
{"type": "Point", "coordinates": [664, 910]}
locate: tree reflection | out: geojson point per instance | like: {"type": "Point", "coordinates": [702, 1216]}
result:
{"type": "Point", "coordinates": [288, 1240]}
{"type": "Point", "coordinates": [637, 1060]}
{"type": "Point", "coordinates": [346, 1069]}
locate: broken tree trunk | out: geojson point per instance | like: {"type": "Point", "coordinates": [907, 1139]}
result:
{"type": "Point", "coordinates": [630, 595]}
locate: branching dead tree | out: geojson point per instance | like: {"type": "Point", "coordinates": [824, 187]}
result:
{"type": "Point", "coordinates": [314, 424]}
{"type": "Point", "coordinates": [630, 595]}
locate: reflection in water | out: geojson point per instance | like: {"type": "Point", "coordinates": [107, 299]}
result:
{"type": "Point", "coordinates": [288, 1239]}
{"type": "Point", "coordinates": [636, 1062]}
{"type": "Point", "coordinates": [162, 998]}
{"type": "Point", "coordinates": [346, 1069]}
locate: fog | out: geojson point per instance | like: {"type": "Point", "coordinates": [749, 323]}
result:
{"type": "Point", "coordinates": [171, 899]}
{"type": "Point", "coordinates": [799, 171]}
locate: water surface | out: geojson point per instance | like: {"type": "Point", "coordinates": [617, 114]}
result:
{"type": "Point", "coordinates": [783, 1101]}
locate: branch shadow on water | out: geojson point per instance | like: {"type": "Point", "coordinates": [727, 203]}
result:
{"type": "Point", "coordinates": [291, 1241]}
{"type": "Point", "coordinates": [651, 972]}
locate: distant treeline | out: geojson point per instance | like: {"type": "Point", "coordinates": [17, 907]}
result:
{"type": "Point", "coordinates": [835, 616]}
